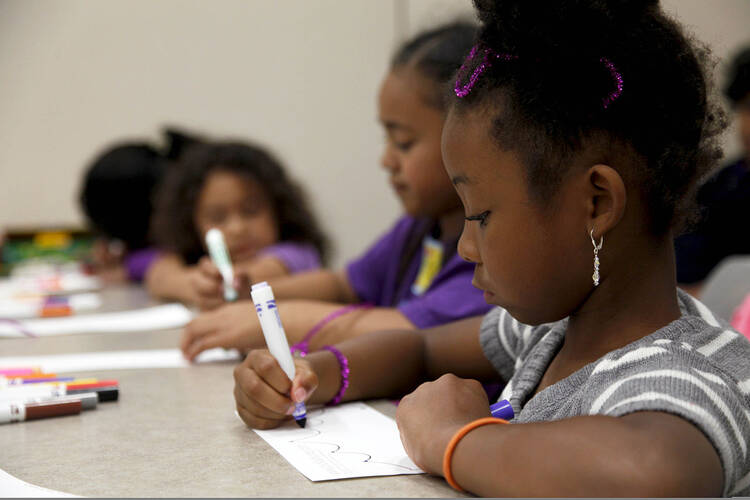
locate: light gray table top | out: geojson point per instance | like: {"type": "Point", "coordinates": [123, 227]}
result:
{"type": "Point", "coordinates": [173, 433]}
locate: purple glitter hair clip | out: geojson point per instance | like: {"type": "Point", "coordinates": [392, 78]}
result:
{"type": "Point", "coordinates": [617, 77]}
{"type": "Point", "coordinates": [488, 56]}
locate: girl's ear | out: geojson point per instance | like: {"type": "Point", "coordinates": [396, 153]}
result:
{"type": "Point", "coordinates": [607, 200]}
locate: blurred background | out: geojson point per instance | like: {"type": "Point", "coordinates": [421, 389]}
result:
{"type": "Point", "coordinates": [299, 76]}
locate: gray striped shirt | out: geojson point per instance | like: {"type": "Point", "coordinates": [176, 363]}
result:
{"type": "Point", "coordinates": [696, 367]}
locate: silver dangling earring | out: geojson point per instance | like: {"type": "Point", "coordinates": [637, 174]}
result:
{"type": "Point", "coordinates": [598, 247]}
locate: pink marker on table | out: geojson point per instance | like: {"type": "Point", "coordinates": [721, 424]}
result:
{"type": "Point", "coordinates": [18, 372]}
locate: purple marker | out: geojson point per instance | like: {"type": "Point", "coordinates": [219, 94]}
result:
{"type": "Point", "coordinates": [502, 409]}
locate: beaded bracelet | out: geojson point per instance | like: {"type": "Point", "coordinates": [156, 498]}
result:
{"type": "Point", "coordinates": [344, 364]}
{"type": "Point", "coordinates": [448, 455]}
{"type": "Point", "coordinates": [303, 346]}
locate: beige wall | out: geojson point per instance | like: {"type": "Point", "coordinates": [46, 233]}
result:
{"type": "Point", "coordinates": [298, 75]}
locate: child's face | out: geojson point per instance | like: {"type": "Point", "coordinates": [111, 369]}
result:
{"type": "Point", "coordinates": [534, 261]}
{"type": "Point", "coordinates": [412, 151]}
{"type": "Point", "coordinates": [240, 209]}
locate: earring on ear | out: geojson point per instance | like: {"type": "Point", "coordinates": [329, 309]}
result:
{"type": "Point", "coordinates": [598, 247]}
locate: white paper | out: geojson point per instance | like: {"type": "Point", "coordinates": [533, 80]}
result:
{"type": "Point", "coordinates": [12, 487]}
{"type": "Point", "coordinates": [151, 318]}
{"type": "Point", "coordinates": [350, 440]}
{"type": "Point", "coordinates": [117, 360]}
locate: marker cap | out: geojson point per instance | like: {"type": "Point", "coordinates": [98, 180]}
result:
{"type": "Point", "coordinates": [502, 409]}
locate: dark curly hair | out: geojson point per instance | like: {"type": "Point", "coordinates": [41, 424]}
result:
{"type": "Point", "coordinates": [117, 190]}
{"type": "Point", "coordinates": [173, 224]}
{"type": "Point", "coordinates": [661, 133]}
{"type": "Point", "coordinates": [436, 54]}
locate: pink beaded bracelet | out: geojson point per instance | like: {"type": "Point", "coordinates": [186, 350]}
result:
{"type": "Point", "coordinates": [344, 364]}
{"type": "Point", "coordinates": [303, 346]}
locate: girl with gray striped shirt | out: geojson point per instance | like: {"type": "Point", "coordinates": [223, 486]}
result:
{"type": "Point", "coordinates": [578, 130]}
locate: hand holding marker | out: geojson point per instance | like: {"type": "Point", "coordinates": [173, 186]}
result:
{"type": "Point", "coordinates": [273, 331]}
{"type": "Point", "coordinates": [217, 249]}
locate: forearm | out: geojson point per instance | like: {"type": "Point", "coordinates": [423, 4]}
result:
{"type": "Point", "coordinates": [263, 268]}
{"type": "Point", "coordinates": [587, 456]}
{"type": "Point", "coordinates": [168, 279]}
{"type": "Point", "coordinates": [384, 364]}
{"type": "Point", "coordinates": [322, 285]}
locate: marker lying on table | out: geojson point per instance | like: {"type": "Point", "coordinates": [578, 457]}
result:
{"type": "Point", "coordinates": [217, 249]}
{"type": "Point", "coordinates": [107, 390]}
{"type": "Point", "coordinates": [273, 331]}
{"type": "Point", "coordinates": [502, 409]}
{"type": "Point", "coordinates": [18, 412]}
{"type": "Point", "coordinates": [16, 372]}
{"type": "Point", "coordinates": [88, 400]}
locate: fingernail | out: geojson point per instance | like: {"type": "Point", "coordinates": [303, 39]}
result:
{"type": "Point", "coordinates": [290, 410]}
{"type": "Point", "coordinates": [299, 394]}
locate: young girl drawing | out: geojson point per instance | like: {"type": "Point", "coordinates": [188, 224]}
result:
{"type": "Point", "coordinates": [576, 133]}
{"type": "Point", "coordinates": [242, 190]}
{"type": "Point", "coordinates": [412, 276]}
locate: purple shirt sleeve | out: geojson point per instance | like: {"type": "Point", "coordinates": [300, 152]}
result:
{"type": "Point", "coordinates": [450, 297]}
{"type": "Point", "coordinates": [138, 262]}
{"type": "Point", "coordinates": [296, 257]}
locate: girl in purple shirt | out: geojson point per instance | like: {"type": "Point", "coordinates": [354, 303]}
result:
{"type": "Point", "coordinates": [412, 276]}
{"type": "Point", "coordinates": [243, 191]}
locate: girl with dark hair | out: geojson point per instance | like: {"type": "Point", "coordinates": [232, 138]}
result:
{"type": "Point", "coordinates": [577, 131]}
{"type": "Point", "coordinates": [412, 275]}
{"type": "Point", "coordinates": [242, 190]}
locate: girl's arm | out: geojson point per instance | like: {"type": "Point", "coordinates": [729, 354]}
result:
{"type": "Point", "coordinates": [382, 364]}
{"type": "Point", "coordinates": [643, 454]}
{"type": "Point", "coordinates": [236, 325]}
{"type": "Point", "coordinates": [323, 285]}
{"type": "Point", "coordinates": [170, 279]}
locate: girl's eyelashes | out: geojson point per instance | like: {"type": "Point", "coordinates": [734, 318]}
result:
{"type": "Point", "coordinates": [403, 146]}
{"type": "Point", "coordinates": [482, 218]}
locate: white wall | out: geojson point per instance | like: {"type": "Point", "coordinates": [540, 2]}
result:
{"type": "Point", "coordinates": [298, 75]}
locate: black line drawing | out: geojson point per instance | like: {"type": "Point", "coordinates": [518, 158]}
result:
{"type": "Point", "coordinates": [315, 420]}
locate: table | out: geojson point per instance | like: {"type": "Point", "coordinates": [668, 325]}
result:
{"type": "Point", "coordinates": [173, 433]}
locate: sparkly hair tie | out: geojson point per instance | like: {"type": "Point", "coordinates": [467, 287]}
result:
{"type": "Point", "coordinates": [488, 56]}
{"type": "Point", "coordinates": [617, 77]}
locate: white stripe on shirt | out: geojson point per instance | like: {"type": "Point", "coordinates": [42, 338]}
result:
{"type": "Point", "coordinates": [629, 357]}
{"type": "Point", "coordinates": [717, 342]}
{"type": "Point", "coordinates": [712, 395]}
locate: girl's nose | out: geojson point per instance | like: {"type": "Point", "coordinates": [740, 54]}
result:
{"type": "Point", "coordinates": [388, 159]}
{"type": "Point", "coordinates": [467, 247]}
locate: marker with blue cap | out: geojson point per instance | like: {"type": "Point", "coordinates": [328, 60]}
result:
{"type": "Point", "coordinates": [273, 331]}
{"type": "Point", "coordinates": [502, 409]}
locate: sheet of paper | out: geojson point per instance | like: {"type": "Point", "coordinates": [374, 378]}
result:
{"type": "Point", "coordinates": [350, 440]}
{"type": "Point", "coordinates": [150, 318]}
{"type": "Point", "coordinates": [117, 360]}
{"type": "Point", "coordinates": [12, 487]}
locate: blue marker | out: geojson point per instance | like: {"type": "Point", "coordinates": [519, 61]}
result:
{"type": "Point", "coordinates": [273, 331]}
{"type": "Point", "coordinates": [502, 409]}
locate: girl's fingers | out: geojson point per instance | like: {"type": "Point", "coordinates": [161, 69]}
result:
{"type": "Point", "coordinates": [265, 365]}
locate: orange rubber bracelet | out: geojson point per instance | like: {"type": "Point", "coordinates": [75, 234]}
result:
{"type": "Point", "coordinates": [448, 455]}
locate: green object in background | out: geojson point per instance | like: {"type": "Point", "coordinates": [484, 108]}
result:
{"type": "Point", "coordinates": [55, 246]}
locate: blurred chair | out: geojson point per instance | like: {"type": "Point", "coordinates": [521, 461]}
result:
{"type": "Point", "coordinates": [727, 286]}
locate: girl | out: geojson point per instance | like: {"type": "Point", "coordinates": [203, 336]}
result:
{"type": "Point", "coordinates": [577, 132]}
{"type": "Point", "coordinates": [240, 189]}
{"type": "Point", "coordinates": [412, 275]}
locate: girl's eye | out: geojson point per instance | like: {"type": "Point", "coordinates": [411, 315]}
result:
{"type": "Point", "coordinates": [403, 146]}
{"type": "Point", "coordinates": [482, 218]}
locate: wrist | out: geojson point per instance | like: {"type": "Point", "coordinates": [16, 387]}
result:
{"type": "Point", "coordinates": [325, 365]}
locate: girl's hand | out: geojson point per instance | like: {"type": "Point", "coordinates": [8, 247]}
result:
{"type": "Point", "coordinates": [232, 325]}
{"type": "Point", "coordinates": [205, 282]}
{"type": "Point", "coordinates": [429, 417]}
{"type": "Point", "coordinates": [264, 395]}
